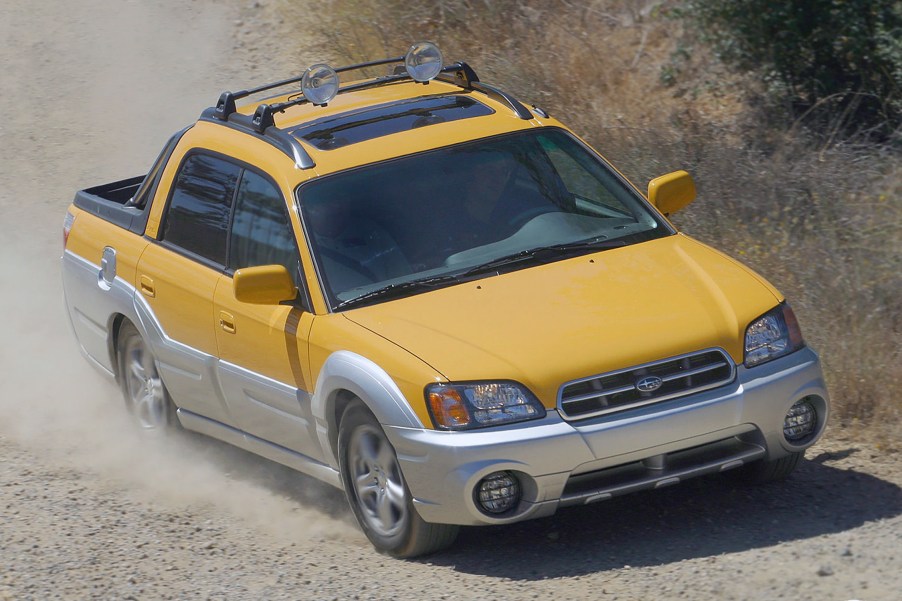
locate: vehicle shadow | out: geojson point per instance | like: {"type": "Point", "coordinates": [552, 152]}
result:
{"type": "Point", "coordinates": [703, 517]}
{"type": "Point", "coordinates": [698, 518]}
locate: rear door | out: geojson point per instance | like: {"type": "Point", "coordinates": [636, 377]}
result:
{"type": "Point", "coordinates": [177, 277]}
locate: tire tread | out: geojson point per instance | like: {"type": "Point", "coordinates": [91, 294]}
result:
{"type": "Point", "coordinates": [423, 537]}
{"type": "Point", "coordinates": [776, 470]}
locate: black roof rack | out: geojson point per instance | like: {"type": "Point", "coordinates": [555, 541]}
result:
{"type": "Point", "coordinates": [262, 123]}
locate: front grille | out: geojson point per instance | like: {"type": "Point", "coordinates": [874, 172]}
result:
{"type": "Point", "coordinates": [645, 384]}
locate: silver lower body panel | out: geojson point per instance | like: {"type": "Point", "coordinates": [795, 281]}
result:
{"type": "Point", "coordinates": [258, 446]}
{"type": "Point", "coordinates": [563, 463]}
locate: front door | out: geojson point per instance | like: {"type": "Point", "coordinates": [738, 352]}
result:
{"type": "Point", "coordinates": [263, 354]}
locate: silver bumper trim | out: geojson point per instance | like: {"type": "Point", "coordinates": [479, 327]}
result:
{"type": "Point", "coordinates": [568, 463]}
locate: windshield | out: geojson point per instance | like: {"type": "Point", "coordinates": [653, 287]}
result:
{"type": "Point", "coordinates": [472, 210]}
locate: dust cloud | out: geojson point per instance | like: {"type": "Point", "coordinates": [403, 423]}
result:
{"type": "Point", "coordinates": [99, 93]}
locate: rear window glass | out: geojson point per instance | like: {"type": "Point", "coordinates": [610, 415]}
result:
{"type": "Point", "coordinates": [198, 216]}
{"type": "Point", "coordinates": [359, 126]}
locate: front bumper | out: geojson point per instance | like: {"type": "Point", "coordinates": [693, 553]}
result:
{"type": "Point", "coordinates": [563, 463]}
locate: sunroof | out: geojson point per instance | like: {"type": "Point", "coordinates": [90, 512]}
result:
{"type": "Point", "coordinates": [358, 126]}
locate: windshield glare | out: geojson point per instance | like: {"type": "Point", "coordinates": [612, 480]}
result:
{"type": "Point", "coordinates": [446, 211]}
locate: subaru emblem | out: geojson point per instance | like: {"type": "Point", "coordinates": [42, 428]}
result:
{"type": "Point", "coordinates": [649, 384]}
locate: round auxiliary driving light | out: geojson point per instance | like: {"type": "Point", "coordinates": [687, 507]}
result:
{"type": "Point", "coordinates": [800, 421]}
{"type": "Point", "coordinates": [498, 492]}
{"type": "Point", "coordinates": [423, 61]}
{"type": "Point", "coordinates": [319, 84]}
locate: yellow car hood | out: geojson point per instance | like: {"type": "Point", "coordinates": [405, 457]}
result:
{"type": "Point", "coordinates": [550, 324]}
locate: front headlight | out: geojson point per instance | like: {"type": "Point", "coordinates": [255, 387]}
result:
{"type": "Point", "coordinates": [480, 404]}
{"type": "Point", "coordinates": [774, 334]}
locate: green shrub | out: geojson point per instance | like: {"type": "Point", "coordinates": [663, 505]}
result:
{"type": "Point", "coordinates": [833, 62]}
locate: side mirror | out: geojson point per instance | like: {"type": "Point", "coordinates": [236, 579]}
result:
{"type": "Point", "coordinates": [264, 285]}
{"type": "Point", "coordinates": [671, 192]}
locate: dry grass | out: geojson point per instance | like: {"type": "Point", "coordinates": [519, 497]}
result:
{"type": "Point", "coordinates": [824, 223]}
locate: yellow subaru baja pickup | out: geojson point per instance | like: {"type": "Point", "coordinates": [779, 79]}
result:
{"type": "Point", "coordinates": [420, 290]}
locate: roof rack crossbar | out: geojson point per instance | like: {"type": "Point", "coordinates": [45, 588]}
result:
{"type": "Point", "coordinates": [383, 61]}
{"type": "Point", "coordinates": [460, 74]}
{"type": "Point", "coordinates": [270, 86]}
{"type": "Point", "coordinates": [379, 81]}
{"type": "Point", "coordinates": [262, 122]}
{"type": "Point", "coordinates": [463, 76]}
{"type": "Point", "coordinates": [226, 106]}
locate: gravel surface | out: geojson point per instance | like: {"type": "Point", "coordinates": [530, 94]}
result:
{"type": "Point", "coordinates": [89, 510]}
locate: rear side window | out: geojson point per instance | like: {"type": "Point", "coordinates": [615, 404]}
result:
{"type": "Point", "coordinates": [198, 215]}
{"type": "Point", "coordinates": [261, 232]}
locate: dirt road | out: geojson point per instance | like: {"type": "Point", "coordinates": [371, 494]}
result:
{"type": "Point", "coordinates": [91, 90]}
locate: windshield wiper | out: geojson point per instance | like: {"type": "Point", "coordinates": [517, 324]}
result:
{"type": "Point", "coordinates": [541, 253]}
{"type": "Point", "coordinates": [399, 289]}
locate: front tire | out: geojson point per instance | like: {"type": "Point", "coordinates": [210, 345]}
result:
{"type": "Point", "coordinates": [764, 471]}
{"type": "Point", "coordinates": [377, 492]}
{"type": "Point", "coordinates": [142, 388]}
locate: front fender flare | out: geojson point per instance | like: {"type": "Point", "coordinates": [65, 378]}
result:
{"type": "Point", "coordinates": [345, 370]}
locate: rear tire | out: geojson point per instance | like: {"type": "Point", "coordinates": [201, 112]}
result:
{"type": "Point", "coordinates": [142, 388]}
{"type": "Point", "coordinates": [377, 493]}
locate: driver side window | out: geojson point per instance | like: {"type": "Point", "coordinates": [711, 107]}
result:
{"type": "Point", "coordinates": [261, 231]}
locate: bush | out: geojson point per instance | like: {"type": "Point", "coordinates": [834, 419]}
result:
{"type": "Point", "coordinates": [834, 62]}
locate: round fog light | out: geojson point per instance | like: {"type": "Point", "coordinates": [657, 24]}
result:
{"type": "Point", "coordinates": [800, 421]}
{"type": "Point", "coordinates": [498, 492]}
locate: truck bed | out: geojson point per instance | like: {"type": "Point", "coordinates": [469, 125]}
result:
{"type": "Point", "coordinates": [111, 203]}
